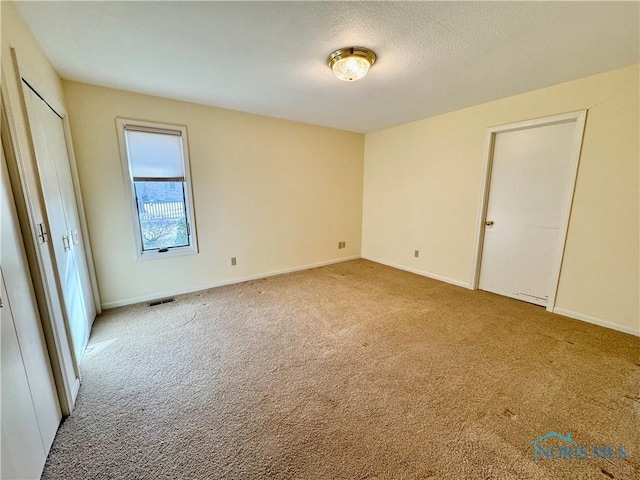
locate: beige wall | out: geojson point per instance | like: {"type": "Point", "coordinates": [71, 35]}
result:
{"type": "Point", "coordinates": [422, 189]}
{"type": "Point", "coordinates": [33, 61]}
{"type": "Point", "coordinates": [275, 194]}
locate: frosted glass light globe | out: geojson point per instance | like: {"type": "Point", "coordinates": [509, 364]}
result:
{"type": "Point", "coordinates": [351, 63]}
{"type": "Point", "coordinates": [351, 68]}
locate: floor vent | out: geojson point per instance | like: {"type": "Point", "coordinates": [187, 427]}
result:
{"type": "Point", "coordinates": [160, 301]}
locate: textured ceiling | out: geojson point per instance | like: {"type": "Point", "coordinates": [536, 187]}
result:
{"type": "Point", "coordinates": [269, 57]}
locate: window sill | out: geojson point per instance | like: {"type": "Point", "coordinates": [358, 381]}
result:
{"type": "Point", "coordinates": [173, 252]}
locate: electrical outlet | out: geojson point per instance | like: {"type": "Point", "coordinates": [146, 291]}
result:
{"type": "Point", "coordinates": [342, 244]}
{"type": "Point", "coordinates": [233, 261]}
{"type": "Point", "coordinates": [416, 253]}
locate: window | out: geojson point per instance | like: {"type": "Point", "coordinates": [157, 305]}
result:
{"type": "Point", "coordinates": [156, 166]}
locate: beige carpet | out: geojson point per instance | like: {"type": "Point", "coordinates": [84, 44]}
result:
{"type": "Point", "coordinates": [351, 371]}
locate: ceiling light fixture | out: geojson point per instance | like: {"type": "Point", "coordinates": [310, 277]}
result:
{"type": "Point", "coordinates": [351, 63]}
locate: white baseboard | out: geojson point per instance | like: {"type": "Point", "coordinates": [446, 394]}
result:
{"type": "Point", "coordinates": [596, 321]}
{"type": "Point", "coordinates": [171, 293]}
{"type": "Point", "coordinates": [560, 311]}
{"type": "Point", "coordinates": [423, 273]}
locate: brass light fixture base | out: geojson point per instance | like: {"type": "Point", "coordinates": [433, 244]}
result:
{"type": "Point", "coordinates": [351, 63]}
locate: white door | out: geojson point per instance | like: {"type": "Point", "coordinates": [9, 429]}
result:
{"type": "Point", "coordinates": [52, 160]}
{"type": "Point", "coordinates": [56, 139]}
{"type": "Point", "coordinates": [531, 180]}
{"type": "Point", "coordinates": [20, 315]}
{"type": "Point", "coordinates": [23, 454]}
{"type": "Point", "coordinates": [52, 316]}
{"type": "Point", "coordinates": [30, 412]}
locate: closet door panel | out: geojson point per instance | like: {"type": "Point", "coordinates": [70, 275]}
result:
{"type": "Point", "coordinates": [57, 145]}
{"type": "Point", "coordinates": [60, 235]}
{"type": "Point", "coordinates": [21, 297]}
{"type": "Point", "coordinates": [23, 454]}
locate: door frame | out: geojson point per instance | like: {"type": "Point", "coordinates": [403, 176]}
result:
{"type": "Point", "coordinates": [579, 117]}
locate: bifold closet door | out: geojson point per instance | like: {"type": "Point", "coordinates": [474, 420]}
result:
{"type": "Point", "coordinates": [52, 159]}
{"type": "Point", "coordinates": [22, 452]}
{"type": "Point", "coordinates": [30, 408]}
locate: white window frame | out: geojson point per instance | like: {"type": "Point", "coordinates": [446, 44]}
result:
{"type": "Point", "coordinates": [192, 248]}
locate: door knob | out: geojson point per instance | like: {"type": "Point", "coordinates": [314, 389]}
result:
{"type": "Point", "coordinates": [488, 223]}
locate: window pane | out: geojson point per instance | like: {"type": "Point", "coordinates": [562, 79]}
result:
{"type": "Point", "coordinates": [162, 214]}
{"type": "Point", "coordinates": [155, 155]}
